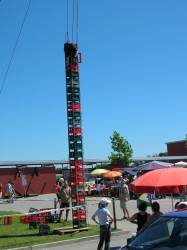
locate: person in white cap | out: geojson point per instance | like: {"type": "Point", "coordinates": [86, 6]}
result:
{"type": "Point", "coordinates": [104, 220]}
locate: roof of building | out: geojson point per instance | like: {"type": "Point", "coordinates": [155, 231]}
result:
{"type": "Point", "coordinates": [86, 161]}
{"type": "Point", "coordinates": [175, 141]}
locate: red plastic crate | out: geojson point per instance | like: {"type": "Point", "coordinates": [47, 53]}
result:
{"type": "Point", "coordinates": [78, 200]}
{"type": "Point", "coordinates": [45, 213]}
{"type": "Point", "coordinates": [76, 173]}
{"type": "Point", "coordinates": [74, 67]}
{"type": "Point", "coordinates": [26, 219]}
{"type": "Point", "coordinates": [76, 163]}
{"type": "Point", "coordinates": [79, 216]}
{"type": "Point", "coordinates": [75, 131]}
{"type": "Point", "coordinates": [74, 107]}
{"type": "Point", "coordinates": [77, 183]}
{"type": "Point", "coordinates": [42, 220]}
{"type": "Point", "coordinates": [77, 180]}
{"type": "Point", "coordinates": [75, 168]}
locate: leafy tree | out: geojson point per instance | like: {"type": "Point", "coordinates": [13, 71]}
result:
{"type": "Point", "coordinates": [163, 154]}
{"type": "Point", "coordinates": [159, 155]}
{"type": "Point", "coordinates": [122, 150]}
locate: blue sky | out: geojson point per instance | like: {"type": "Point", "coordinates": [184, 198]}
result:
{"type": "Point", "coordinates": [133, 76]}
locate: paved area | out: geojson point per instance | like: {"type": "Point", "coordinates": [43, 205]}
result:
{"type": "Point", "coordinates": [23, 205]}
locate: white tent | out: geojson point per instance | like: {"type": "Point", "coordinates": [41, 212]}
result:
{"type": "Point", "coordinates": [180, 164]}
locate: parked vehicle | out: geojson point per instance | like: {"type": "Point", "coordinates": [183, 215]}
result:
{"type": "Point", "coordinates": [168, 232]}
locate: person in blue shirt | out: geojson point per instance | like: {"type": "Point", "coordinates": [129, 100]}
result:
{"type": "Point", "coordinates": [104, 220]}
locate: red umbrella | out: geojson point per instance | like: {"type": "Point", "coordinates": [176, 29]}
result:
{"type": "Point", "coordinates": [161, 181]}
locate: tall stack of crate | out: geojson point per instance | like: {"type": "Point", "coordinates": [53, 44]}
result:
{"type": "Point", "coordinates": [72, 60]}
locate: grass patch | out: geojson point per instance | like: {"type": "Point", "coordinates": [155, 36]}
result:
{"type": "Point", "coordinates": [19, 235]}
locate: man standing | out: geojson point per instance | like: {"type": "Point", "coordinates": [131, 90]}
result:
{"type": "Point", "coordinates": [65, 195]}
{"type": "Point", "coordinates": [124, 197]}
{"type": "Point", "coordinates": [105, 219]}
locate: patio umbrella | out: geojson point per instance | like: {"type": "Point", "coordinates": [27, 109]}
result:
{"type": "Point", "coordinates": [112, 174]}
{"type": "Point", "coordinates": [153, 165]}
{"type": "Point", "coordinates": [99, 171]}
{"type": "Point", "coordinates": [161, 181]}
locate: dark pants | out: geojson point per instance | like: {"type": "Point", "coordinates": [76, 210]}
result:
{"type": "Point", "coordinates": [105, 234]}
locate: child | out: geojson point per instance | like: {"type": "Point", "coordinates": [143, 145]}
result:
{"type": "Point", "coordinates": [105, 219]}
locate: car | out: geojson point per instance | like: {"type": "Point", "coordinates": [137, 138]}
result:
{"type": "Point", "coordinates": [168, 232]}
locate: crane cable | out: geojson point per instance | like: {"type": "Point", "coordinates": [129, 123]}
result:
{"type": "Point", "coordinates": [74, 13]}
{"type": "Point", "coordinates": [15, 46]}
{"type": "Point", "coordinates": [77, 21]}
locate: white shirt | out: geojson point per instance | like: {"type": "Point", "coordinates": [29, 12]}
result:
{"type": "Point", "coordinates": [102, 214]}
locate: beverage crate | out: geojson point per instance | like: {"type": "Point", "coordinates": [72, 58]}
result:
{"type": "Point", "coordinates": [43, 213]}
{"type": "Point", "coordinates": [80, 199]}
{"type": "Point", "coordinates": [80, 208]}
{"type": "Point", "coordinates": [50, 219]}
{"type": "Point", "coordinates": [77, 223]}
{"type": "Point", "coordinates": [74, 67]}
{"type": "Point", "coordinates": [72, 83]}
{"type": "Point", "coordinates": [26, 219]}
{"type": "Point", "coordinates": [76, 146]}
{"type": "Point", "coordinates": [73, 98]}
{"type": "Point", "coordinates": [76, 154]}
{"type": "Point", "coordinates": [75, 138]}
{"type": "Point", "coordinates": [74, 107]}
{"type": "Point", "coordinates": [74, 164]}
{"type": "Point", "coordinates": [76, 115]}
{"type": "Point", "coordinates": [75, 78]}
{"type": "Point", "coordinates": [77, 169]}
{"type": "Point", "coordinates": [76, 173]}
{"type": "Point", "coordinates": [34, 224]}
{"type": "Point", "coordinates": [72, 74]}
{"type": "Point", "coordinates": [77, 190]}
{"type": "Point", "coordinates": [44, 229]}
{"type": "Point", "coordinates": [40, 219]}
{"type": "Point", "coordinates": [77, 181]}
{"type": "Point", "coordinates": [79, 216]}
{"type": "Point", "coordinates": [73, 158]}
{"type": "Point", "coordinates": [77, 201]}
{"type": "Point", "coordinates": [76, 122]}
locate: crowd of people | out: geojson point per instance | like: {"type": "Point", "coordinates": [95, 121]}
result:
{"type": "Point", "coordinates": [102, 215]}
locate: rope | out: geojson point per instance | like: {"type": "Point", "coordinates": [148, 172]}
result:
{"type": "Point", "coordinates": [67, 32]}
{"type": "Point", "coordinates": [15, 46]}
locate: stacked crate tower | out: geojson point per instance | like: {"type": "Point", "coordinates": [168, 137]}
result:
{"type": "Point", "coordinates": [72, 60]}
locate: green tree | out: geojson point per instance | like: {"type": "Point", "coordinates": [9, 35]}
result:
{"type": "Point", "coordinates": [122, 150]}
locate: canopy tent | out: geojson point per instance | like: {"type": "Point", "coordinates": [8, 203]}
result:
{"type": "Point", "coordinates": [180, 164]}
{"type": "Point", "coordinates": [126, 170]}
{"type": "Point", "coordinates": [153, 165]}
{"type": "Point", "coordinates": [130, 171]}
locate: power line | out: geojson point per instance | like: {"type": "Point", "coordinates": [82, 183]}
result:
{"type": "Point", "coordinates": [15, 46]}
